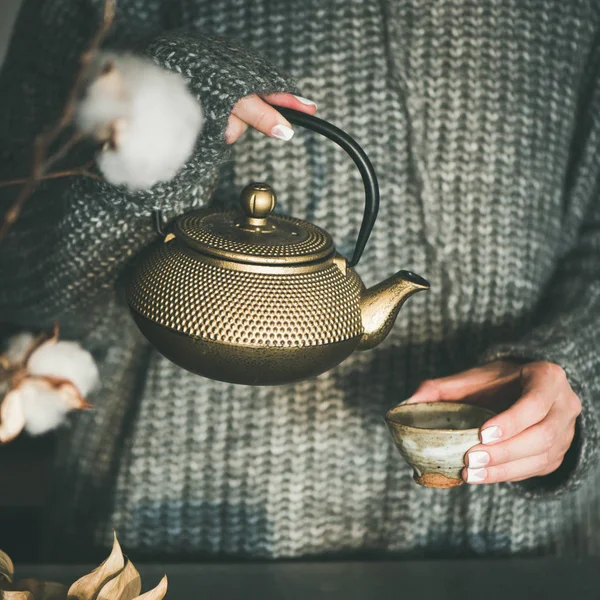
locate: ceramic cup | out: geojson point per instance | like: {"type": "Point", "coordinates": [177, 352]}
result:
{"type": "Point", "coordinates": [434, 437]}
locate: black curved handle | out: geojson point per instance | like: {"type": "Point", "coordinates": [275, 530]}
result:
{"type": "Point", "coordinates": [361, 160]}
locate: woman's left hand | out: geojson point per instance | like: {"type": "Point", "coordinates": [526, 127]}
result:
{"type": "Point", "coordinates": [535, 424]}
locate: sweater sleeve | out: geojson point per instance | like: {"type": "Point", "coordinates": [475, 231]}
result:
{"type": "Point", "coordinates": [567, 328]}
{"type": "Point", "coordinates": [76, 234]}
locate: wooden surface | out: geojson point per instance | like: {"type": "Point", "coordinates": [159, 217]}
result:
{"type": "Point", "coordinates": [440, 580]}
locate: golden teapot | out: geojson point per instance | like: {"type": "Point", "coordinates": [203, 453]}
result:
{"type": "Point", "coordinates": [253, 297]}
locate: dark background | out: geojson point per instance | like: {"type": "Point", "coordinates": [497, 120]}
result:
{"type": "Point", "coordinates": [24, 464]}
{"type": "Point", "coordinates": [25, 482]}
{"type": "Point", "coordinates": [8, 11]}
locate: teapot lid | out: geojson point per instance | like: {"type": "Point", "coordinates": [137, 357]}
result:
{"type": "Point", "coordinates": [255, 235]}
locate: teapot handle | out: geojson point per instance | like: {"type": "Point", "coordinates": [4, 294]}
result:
{"type": "Point", "coordinates": [361, 160]}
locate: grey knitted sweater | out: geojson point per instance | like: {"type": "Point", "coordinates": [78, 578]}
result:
{"type": "Point", "coordinates": [483, 121]}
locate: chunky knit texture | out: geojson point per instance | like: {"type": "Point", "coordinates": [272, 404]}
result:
{"type": "Point", "coordinates": [482, 120]}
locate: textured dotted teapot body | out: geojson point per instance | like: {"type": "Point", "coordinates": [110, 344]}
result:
{"type": "Point", "coordinates": [252, 297]}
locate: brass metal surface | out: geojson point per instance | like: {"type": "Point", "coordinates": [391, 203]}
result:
{"type": "Point", "coordinates": [254, 235]}
{"type": "Point", "coordinates": [380, 305]}
{"type": "Point", "coordinates": [258, 201]}
{"type": "Point", "coordinates": [242, 365]}
{"type": "Point", "coordinates": [251, 297]}
{"type": "Point", "coordinates": [177, 290]}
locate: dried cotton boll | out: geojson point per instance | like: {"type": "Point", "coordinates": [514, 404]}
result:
{"type": "Point", "coordinates": [12, 417]}
{"type": "Point", "coordinates": [148, 114]}
{"type": "Point", "coordinates": [40, 391]}
{"type": "Point", "coordinates": [45, 405]}
{"type": "Point", "coordinates": [17, 347]}
{"type": "Point", "coordinates": [106, 99]}
{"type": "Point", "coordinates": [38, 405]}
{"type": "Point", "coordinates": [65, 360]}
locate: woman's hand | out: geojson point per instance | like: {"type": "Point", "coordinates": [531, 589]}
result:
{"type": "Point", "coordinates": [255, 111]}
{"type": "Point", "coordinates": [535, 425]}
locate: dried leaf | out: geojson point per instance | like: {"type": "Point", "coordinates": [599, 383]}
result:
{"type": "Point", "coordinates": [127, 585]}
{"type": "Point", "coordinates": [12, 417]}
{"type": "Point", "coordinates": [7, 569]}
{"type": "Point", "coordinates": [6, 595]}
{"type": "Point", "coordinates": [115, 579]}
{"type": "Point", "coordinates": [55, 331]}
{"type": "Point", "coordinates": [43, 590]}
{"type": "Point", "coordinates": [158, 593]}
{"type": "Point", "coordinates": [87, 586]}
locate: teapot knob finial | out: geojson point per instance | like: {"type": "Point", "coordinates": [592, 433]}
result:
{"type": "Point", "coordinates": [258, 201]}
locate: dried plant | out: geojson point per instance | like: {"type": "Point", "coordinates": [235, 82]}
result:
{"type": "Point", "coordinates": [142, 117]}
{"type": "Point", "coordinates": [115, 579]}
{"type": "Point", "coordinates": [44, 157]}
{"type": "Point", "coordinates": [6, 569]}
{"type": "Point", "coordinates": [41, 380]}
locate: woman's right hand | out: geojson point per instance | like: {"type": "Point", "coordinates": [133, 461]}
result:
{"type": "Point", "coordinates": [255, 111]}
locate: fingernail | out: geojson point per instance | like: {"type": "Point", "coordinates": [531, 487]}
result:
{"type": "Point", "coordinates": [305, 101]}
{"type": "Point", "coordinates": [491, 435]}
{"type": "Point", "coordinates": [476, 475]}
{"type": "Point", "coordinates": [282, 132]}
{"type": "Point", "coordinates": [416, 397]}
{"type": "Point", "coordinates": [478, 459]}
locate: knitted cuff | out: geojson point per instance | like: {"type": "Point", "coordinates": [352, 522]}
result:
{"type": "Point", "coordinates": [582, 455]}
{"type": "Point", "coordinates": [218, 72]}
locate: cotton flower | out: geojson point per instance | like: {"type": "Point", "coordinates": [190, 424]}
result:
{"type": "Point", "coordinates": [48, 379]}
{"type": "Point", "coordinates": [65, 360]}
{"type": "Point", "coordinates": [18, 346]}
{"type": "Point", "coordinates": [147, 114]}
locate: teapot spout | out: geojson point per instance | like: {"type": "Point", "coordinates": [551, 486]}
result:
{"type": "Point", "coordinates": [380, 305]}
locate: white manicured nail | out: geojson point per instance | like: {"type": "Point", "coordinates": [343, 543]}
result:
{"type": "Point", "coordinates": [282, 132]}
{"type": "Point", "coordinates": [478, 459]}
{"type": "Point", "coordinates": [305, 101]}
{"type": "Point", "coordinates": [491, 435]}
{"type": "Point", "coordinates": [476, 475]}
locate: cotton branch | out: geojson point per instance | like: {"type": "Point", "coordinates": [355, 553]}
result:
{"type": "Point", "coordinates": [83, 171]}
{"type": "Point", "coordinates": [42, 161]}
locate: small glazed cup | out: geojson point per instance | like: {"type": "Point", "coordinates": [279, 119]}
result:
{"type": "Point", "coordinates": [434, 437]}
